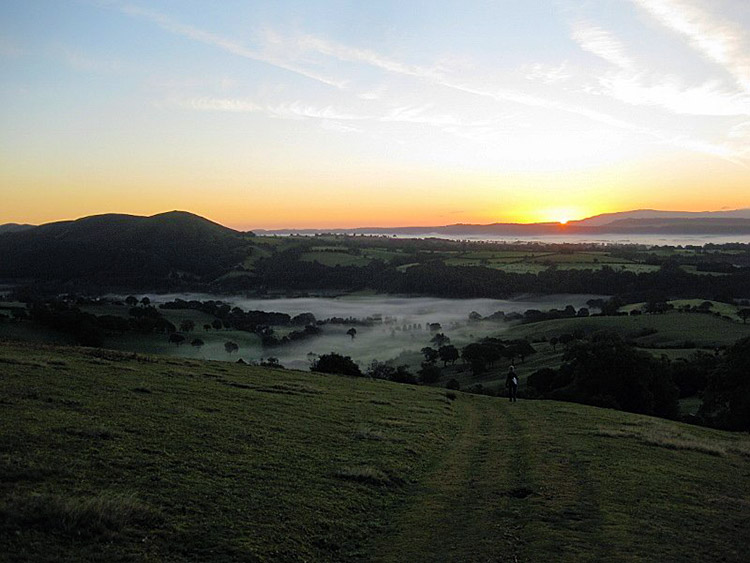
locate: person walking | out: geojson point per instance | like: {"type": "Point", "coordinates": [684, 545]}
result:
{"type": "Point", "coordinates": [511, 382]}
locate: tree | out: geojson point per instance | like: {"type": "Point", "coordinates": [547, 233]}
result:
{"type": "Point", "coordinates": [608, 372]}
{"type": "Point", "coordinates": [430, 354]}
{"type": "Point", "coordinates": [520, 348]}
{"type": "Point", "coordinates": [352, 332]}
{"type": "Point", "coordinates": [176, 338]}
{"type": "Point", "coordinates": [187, 325]}
{"type": "Point", "coordinates": [197, 342]}
{"type": "Point", "coordinates": [380, 370]}
{"type": "Point", "coordinates": [473, 354]}
{"type": "Point", "coordinates": [336, 364]}
{"type": "Point", "coordinates": [453, 384]}
{"type": "Point", "coordinates": [744, 314]}
{"type": "Point", "coordinates": [217, 324]}
{"type": "Point", "coordinates": [207, 327]}
{"type": "Point", "coordinates": [230, 347]}
{"type": "Point", "coordinates": [448, 353]}
{"type": "Point", "coordinates": [553, 342]}
{"type": "Point", "coordinates": [271, 362]}
{"type": "Point", "coordinates": [303, 319]}
{"type": "Point", "coordinates": [440, 340]}
{"type": "Point", "coordinates": [131, 300]}
{"type": "Point", "coordinates": [403, 375]}
{"type": "Point", "coordinates": [726, 400]}
{"type": "Point", "coordinates": [145, 301]}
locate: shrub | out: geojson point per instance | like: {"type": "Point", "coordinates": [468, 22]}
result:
{"type": "Point", "coordinates": [336, 364]}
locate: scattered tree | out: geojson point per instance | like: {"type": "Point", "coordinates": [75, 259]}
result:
{"type": "Point", "coordinates": [352, 332]}
{"type": "Point", "coordinates": [448, 353]}
{"type": "Point", "coordinates": [187, 325]}
{"type": "Point", "coordinates": [440, 340]}
{"type": "Point", "coordinates": [176, 338]}
{"type": "Point", "coordinates": [230, 347]}
{"type": "Point", "coordinates": [430, 354]}
{"type": "Point", "coordinates": [337, 364]}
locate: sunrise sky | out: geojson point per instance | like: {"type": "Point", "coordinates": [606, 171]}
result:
{"type": "Point", "coordinates": [339, 114]}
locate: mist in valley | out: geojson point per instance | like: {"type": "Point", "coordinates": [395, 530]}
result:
{"type": "Point", "coordinates": [399, 327]}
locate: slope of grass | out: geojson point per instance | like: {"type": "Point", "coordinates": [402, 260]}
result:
{"type": "Point", "coordinates": [118, 457]}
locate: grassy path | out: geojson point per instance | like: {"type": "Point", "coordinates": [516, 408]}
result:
{"type": "Point", "coordinates": [535, 482]}
{"type": "Point", "coordinates": [470, 506]}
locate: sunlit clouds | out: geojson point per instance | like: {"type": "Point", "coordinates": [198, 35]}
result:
{"type": "Point", "coordinates": [291, 114]}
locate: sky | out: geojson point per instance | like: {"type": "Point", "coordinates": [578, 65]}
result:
{"type": "Point", "coordinates": [318, 114]}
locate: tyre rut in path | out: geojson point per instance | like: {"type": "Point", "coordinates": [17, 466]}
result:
{"type": "Point", "coordinates": [470, 507]}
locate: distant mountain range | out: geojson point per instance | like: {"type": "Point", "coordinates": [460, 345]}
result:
{"type": "Point", "coordinates": [642, 221]}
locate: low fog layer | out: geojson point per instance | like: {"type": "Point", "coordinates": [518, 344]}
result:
{"type": "Point", "coordinates": [398, 333]}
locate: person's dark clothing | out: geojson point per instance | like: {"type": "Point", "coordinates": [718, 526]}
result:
{"type": "Point", "coordinates": [512, 384]}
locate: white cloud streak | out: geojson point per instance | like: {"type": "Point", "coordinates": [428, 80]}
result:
{"type": "Point", "coordinates": [601, 43]}
{"type": "Point", "coordinates": [720, 41]}
{"type": "Point", "coordinates": [228, 45]}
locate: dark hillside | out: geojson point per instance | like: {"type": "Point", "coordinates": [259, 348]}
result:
{"type": "Point", "coordinates": [122, 248]}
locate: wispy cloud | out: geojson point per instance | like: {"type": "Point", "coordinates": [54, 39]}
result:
{"type": "Point", "coordinates": [719, 40]}
{"type": "Point", "coordinates": [228, 45]}
{"type": "Point", "coordinates": [636, 86]}
{"type": "Point", "coordinates": [601, 43]}
{"type": "Point", "coordinates": [669, 93]}
{"type": "Point", "coordinates": [548, 74]}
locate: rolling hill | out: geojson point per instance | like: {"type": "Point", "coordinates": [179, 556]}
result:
{"type": "Point", "coordinates": [123, 457]}
{"type": "Point", "coordinates": [122, 248]}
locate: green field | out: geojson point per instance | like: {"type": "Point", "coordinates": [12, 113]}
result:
{"type": "Point", "coordinates": [671, 329]}
{"type": "Point", "coordinates": [107, 456]}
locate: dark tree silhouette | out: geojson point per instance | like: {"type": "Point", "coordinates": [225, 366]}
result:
{"type": "Point", "coordinates": [337, 364]}
{"type": "Point", "coordinates": [176, 338]}
{"type": "Point", "coordinates": [440, 340]}
{"type": "Point", "coordinates": [352, 332]}
{"type": "Point", "coordinates": [448, 353]}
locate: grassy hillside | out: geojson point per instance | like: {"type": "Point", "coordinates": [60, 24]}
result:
{"type": "Point", "coordinates": [118, 457]}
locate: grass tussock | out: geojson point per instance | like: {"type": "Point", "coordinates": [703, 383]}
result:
{"type": "Point", "coordinates": [365, 474]}
{"type": "Point", "coordinates": [661, 437]}
{"type": "Point", "coordinates": [77, 516]}
{"type": "Point", "coordinates": [369, 433]}
{"type": "Point", "coordinates": [380, 402]}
